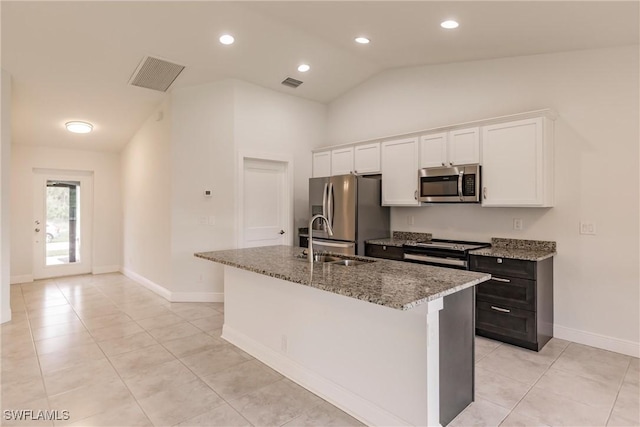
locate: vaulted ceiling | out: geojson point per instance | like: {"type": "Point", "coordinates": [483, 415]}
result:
{"type": "Point", "coordinates": [73, 60]}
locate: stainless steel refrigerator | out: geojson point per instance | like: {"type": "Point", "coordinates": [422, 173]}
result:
{"type": "Point", "coordinates": [352, 205]}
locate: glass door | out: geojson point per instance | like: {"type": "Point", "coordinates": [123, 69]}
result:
{"type": "Point", "coordinates": [61, 225]}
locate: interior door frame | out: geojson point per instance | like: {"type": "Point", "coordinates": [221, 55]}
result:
{"type": "Point", "coordinates": [287, 159]}
{"type": "Point", "coordinates": [86, 178]}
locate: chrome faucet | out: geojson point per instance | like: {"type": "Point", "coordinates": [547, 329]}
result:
{"type": "Point", "coordinates": [329, 230]}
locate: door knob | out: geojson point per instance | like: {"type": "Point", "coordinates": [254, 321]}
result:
{"type": "Point", "coordinates": [281, 231]}
{"type": "Point", "coordinates": [37, 230]}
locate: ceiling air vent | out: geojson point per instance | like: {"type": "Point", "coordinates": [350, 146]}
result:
{"type": "Point", "coordinates": [291, 82]}
{"type": "Point", "coordinates": [156, 74]}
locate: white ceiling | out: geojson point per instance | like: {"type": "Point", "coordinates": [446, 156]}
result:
{"type": "Point", "coordinates": [73, 60]}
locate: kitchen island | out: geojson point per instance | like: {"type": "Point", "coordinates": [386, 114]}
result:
{"type": "Point", "coordinates": [365, 337]}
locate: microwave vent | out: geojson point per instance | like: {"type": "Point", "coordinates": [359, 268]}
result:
{"type": "Point", "coordinates": [291, 82]}
{"type": "Point", "coordinates": [156, 74]}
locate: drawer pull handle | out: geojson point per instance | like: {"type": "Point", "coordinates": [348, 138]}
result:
{"type": "Point", "coordinates": [498, 279]}
{"type": "Point", "coordinates": [501, 310]}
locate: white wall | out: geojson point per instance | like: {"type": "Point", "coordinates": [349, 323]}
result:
{"type": "Point", "coordinates": [107, 207]}
{"type": "Point", "coordinates": [202, 158]}
{"type": "Point", "coordinates": [5, 174]}
{"type": "Point", "coordinates": [195, 149]}
{"type": "Point", "coordinates": [278, 123]}
{"type": "Point", "coordinates": [595, 92]}
{"type": "Point", "coordinates": [146, 199]}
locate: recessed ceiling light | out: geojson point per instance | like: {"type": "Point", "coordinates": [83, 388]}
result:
{"type": "Point", "coordinates": [79, 127]}
{"type": "Point", "coordinates": [449, 25]}
{"type": "Point", "coordinates": [362, 40]}
{"type": "Point", "coordinates": [227, 39]}
{"type": "Point", "coordinates": [303, 68]}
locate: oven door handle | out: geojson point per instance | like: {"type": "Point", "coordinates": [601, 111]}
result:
{"type": "Point", "coordinates": [460, 178]}
{"type": "Point", "coordinates": [436, 260]}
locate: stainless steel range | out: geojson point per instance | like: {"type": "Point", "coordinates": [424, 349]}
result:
{"type": "Point", "coordinates": [443, 253]}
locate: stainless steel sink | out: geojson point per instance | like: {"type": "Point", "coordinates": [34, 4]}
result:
{"type": "Point", "coordinates": [350, 262]}
{"type": "Point", "coordinates": [325, 258]}
{"type": "Point", "coordinates": [335, 260]}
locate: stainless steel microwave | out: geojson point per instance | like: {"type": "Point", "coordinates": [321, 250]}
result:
{"type": "Point", "coordinates": [455, 184]}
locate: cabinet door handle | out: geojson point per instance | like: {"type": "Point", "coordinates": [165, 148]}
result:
{"type": "Point", "coordinates": [450, 163]}
{"type": "Point", "coordinates": [501, 310]}
{"type": "Point", "coordinates": [415, 194]}
{"type": "Point", "coordinates": [442, 163]}
{"type": "Point", "coordinates": [484, 193]}
{"type": "Point", "coordinates": [498, 279]}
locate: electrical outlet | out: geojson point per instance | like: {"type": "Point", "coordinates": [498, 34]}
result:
{"type": "Point", "coordinates": [588, 227]}
{"type": "Point", "coordinates": [517, 223]}
{"type": "Point", "coordinates": [409, 219]}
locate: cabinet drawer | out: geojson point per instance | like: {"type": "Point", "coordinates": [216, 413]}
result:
{"type": "Point", "coordinates": [512, 292]}
{"type": "Point", "coordinates": [381, 251]}
{"type": "Point", "coordinates": [504, 266]}
{"type": "Point", "coordinates": [506, 321]}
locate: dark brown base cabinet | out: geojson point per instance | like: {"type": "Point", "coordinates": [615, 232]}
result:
{"type": "Point", "coordinates": [516, 305]}
{"type": "Point", "coordinates": [383, 251]}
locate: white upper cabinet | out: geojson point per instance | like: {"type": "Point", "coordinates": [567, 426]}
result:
{"type": "Point", "coordinates": [321, 164]}
{"type": "Point", "coordinates": [457, 147]}
{"type": "Point", "coordinates": [367, 158]}
{"type": "Point", "coordinates": [342, 161]}
{"type": "Point", "coordinates": [517, 163]}
{"type": "Point", "coordinates": [400, 172]}
{"type": "Point", "coordinates": [464, 146]}
{"type": "Point", "coordinates": [433, 150]}
{"type": "Point", "coordinates": [361, 159]}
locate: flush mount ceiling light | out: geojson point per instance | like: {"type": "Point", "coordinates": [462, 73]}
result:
{"type": "Point", "coordinates": [79, 127]}
{"type": "Point", "coordinates": [226, 39]}
{"type": "Point", "coordinates": [362, 40]}
{"type": "Point", "coordinates": [449, 25]}
{"type": "Point", "coordinates": [303, 68]}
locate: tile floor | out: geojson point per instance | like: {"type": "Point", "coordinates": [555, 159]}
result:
{"type": "Point", "coordinates": [113, 353]}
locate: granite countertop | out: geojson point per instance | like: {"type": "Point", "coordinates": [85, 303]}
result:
{"type": "Point", "coordinates": [399, 238]}
{"type": "Point", "coordinates": [393, 284]}
{"type": "Point", "coordinates": [527, 250]}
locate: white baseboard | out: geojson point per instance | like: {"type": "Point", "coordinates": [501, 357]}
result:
{"type": "Point", "coordinates": [103, 269]}
{"type": "Point", "coordinates": [197, 297]}
{"type": "Point", "coordinates": [354, 405]}
{"type": "Point", "coordinates": [173, 296]}
{"type": "Point", "coordinates": [604, 342]}
{"type": "Point", "coordinates": [25, 278]}
{"type": "Point", "coordinates": [152, 286]}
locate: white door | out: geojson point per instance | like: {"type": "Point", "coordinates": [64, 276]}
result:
{"type": "Point", "coordinates": [62, 224]}
{"type": "Point", "coordinates": [265, 203]}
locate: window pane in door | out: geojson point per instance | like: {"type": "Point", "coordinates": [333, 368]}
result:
{"type": "Point", "coordinates": [63, 222]}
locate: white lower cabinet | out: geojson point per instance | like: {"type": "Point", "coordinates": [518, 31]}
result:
{"type": "Point", "coordinates": [400, 172]}
{"type": "Point", "coordinates": [517, 163]}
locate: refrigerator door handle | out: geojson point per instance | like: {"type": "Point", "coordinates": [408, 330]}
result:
{"type": "Point", "coordinates": [325, 193]}
{"type": "Point", "coordinates": [330, 204]}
